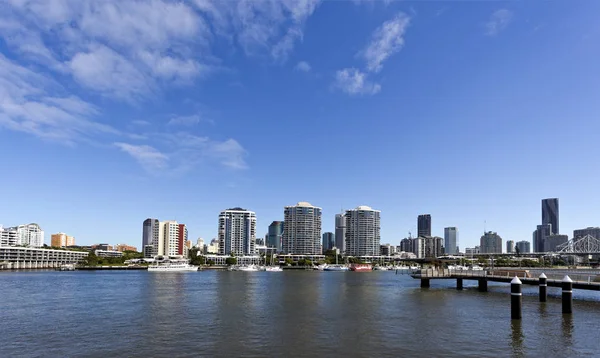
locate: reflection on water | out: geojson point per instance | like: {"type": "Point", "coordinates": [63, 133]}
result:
{"type": "Point", "coordinates": [300, 314]}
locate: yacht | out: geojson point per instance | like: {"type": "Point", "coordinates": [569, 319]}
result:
{"type": "Point", "coordinates": [321, 267]}
{"type": "Point", "coordinates": [381, 268]}
{"type": "Point", "coordinates": [337, 268]}
{"type": "Point", "coordinates": [273, 269]}
{"type": "Point", "coordinates": [248, 268]}
{"type": "Point", "coordinates": [66, 267]}
{"type": "Point", "coordinates": [175, 263]}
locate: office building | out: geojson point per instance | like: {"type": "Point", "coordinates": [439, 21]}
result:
{"type": "Point", "coordinates": [387, 250]}
{"type": "Point", "coordinates": [424, 225]}
{"type": "Point", "coordinates": [275, 235]}
{"type": "Point", "coordinates": [470, 251]}
{"type": "Point", "coordinates": [363, 226]}
{"type": "Point", "coordinates": [237, 232]}
{"type": "Point", "coordinates": [523, 247]}
{"type": "Point", "coordinates": [61, 240]}
{"type": "Point", "coordinates": [302, 229]}
{"type": "Point", "coordinates": [540, 235]}
{"type": "Point", "coordinates": [510, 246]}
{"type": "Point", "coordinates": [328, 241]}
{"type": "Point", "coordinates": [406, 245]}
{"type": "Point", "coordinates": [581, 233]}
{"type": "Point", "coordinates": [340, 232]}
{"type": "Point", "coordinates": [451, 240]}
{"type": "Point", "coordinates": [150, 233]}
{"type": "Point", "coordinates": [553, 241]}
{"type": "Point", "coordinates": [550, 214]}
{"type": "Point", "coordinates": [490, 243]}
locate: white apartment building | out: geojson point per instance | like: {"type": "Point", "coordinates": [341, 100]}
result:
{"type": "Point", "coordinates": [237, 232]}
{"type": "Point", "coordinates": [302, 229]}
{"type": "Point", "coordinates": [363, 226]}
{"type": "Point", "coordinates": [30, 235]}
{"type": "Point", "coordinates": [168, 239]}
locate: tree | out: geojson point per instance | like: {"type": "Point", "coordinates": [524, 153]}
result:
{"type": "Point", "coordinates": [231, 261]}
{"type": "Point", "coordinates": [210, 262]}
{"type": "Point", "coordinates": [288, 261]}
{"type": "Point", "coordinates": [91, 259]}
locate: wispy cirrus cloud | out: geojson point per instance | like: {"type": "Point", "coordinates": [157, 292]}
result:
{"type": "Point", "coordinates": [498, 21]}
{"type": "Point", "coordinates": [352, 81]}
{"type": "Point", "coordinates": [150, 158]}
{"type": "Point", "coordinates": [386, 40]}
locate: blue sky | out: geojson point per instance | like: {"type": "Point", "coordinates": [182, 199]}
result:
{"type": "Point", "coordinates": [112, 112]}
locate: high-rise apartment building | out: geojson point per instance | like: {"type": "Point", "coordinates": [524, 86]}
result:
{"type": "Point", "coordinates": [30, 235]}
{"type": "Point", "coordinates": [490, 243]}
{"type": "Point", "coordinates": [8, 236]}
{"type": "Point", "coordinates": [363, 227]}
{"type": "Point", "coordinates": [427, 246]}
{"type": "Point", "coordinates": [168, 238]}
{"type": "Point", "coordinates": [424, 225]}
{"type": "Point", "coordinates": [510, 246]}
{"type": "Point", "coordinates": [340, 232]}
{"type": "Point", "coordinates": [182, 238]}
{"type": "Point", "coordinates": [302, 229]}
{"type": "Point", "coordinates": [328, 241]}
{"type": "Point", "coordinates": [275, 235]}
{"type": "Point", "coordinates": [61, 240]}
{"type": "Point", "coordinates": [150, 233]}
{"type": "Point", "coordinates": [237, 232]}
{"type": "Point", "coordinates": [550, 214]}
{"type": "Point", "coordinates": [524, 247]}
{"type": "Point", "coordinates": [451, 240]}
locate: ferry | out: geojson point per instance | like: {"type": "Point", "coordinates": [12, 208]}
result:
{"type": "Point", "coordinates": [361, 267]}
{"type": "Point", "coordinates": [336, 268]}
{"type": "Point", "coordinates": [176, 263]}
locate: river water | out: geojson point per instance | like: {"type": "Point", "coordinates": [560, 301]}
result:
{"type": "Point", "coordinates": [271, 314]}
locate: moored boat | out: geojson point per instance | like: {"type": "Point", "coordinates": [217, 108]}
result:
{"type": "Point", "coordinates": [361, 267]}
{"type": "Point", "coordinates": [336, 268]}
{"type": "Point", "coordinates": [175, 263]}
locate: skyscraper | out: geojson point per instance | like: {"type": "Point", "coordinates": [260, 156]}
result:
{"type": "Point", "coordinates": [540, 235]}
{"type": "Point", "coordinates": [340, 232]}
{"type": "Point", "coordinates": [302, 229]}
{"type": "Point", "coordinates": [550, 214]}
{"type": "Point", "coordinates": [490, 243]}
{"type": "Point", "coordinates": [362, 232]}
{"type": "Point", "coordinates": [524, 247]}
{"type": "Point", "coordinates": [150, 233]}
{"type": "Point", "coordinates": [424, 225]}
{"type": "Point", "coordinates": [328, 241]}
{"type": "Point", "coordinates": [237, 232]}
{"type": "Point", "coordinates": [275, 235]}
{"type": "Point", "coordinates": [182, 238]}
{"type": "Point", "coordinates": [168, 238]}
{"type": "Point", "coordinates": [451, 240]}
{"type": "Point", "coordinates": [510, 246]}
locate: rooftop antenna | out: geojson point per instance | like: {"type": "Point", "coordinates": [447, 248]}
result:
{"type": "Point", "coordinates": [484, 226]}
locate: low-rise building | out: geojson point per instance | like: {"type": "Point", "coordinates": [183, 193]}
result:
{"type": "Point", "coordinates": [28, 257]}
{"type": "Point", "coordinates": [125, 247]}
{"type": "Point", "coordinates": [108, 253]}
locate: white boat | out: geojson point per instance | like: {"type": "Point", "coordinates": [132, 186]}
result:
{"type": "Point", "coordinates": [337, 268]}
{"type": "Point", "coordinates": [380, 268]}
{"type": "Point", "coordinates": [176, 263]}
{"type": "Point", "coordinates": [456, 267]}
{"type": "Point", "coordinates": [66, 267]}
{"type": "Point", "coordinates": [248, 268]}
{"type": "Point", "coordinates": [321, 267]}
{"type": "Point", "coordinates": [414, 267]}
{"type": "Point", "coordinates": [273, 269]}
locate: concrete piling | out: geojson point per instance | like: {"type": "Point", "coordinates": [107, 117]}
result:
{"type": "Point", "coordinates": [543, 287]}
{"type": "Point", "coordinates": [482, 285]}
{"type": "Point", "coordinates": [567, 295]}
{"type": "Point", "coordinates": [516, 298]}
{"type": "Point", "coordinates": [459, 284]}
{"type": "Point", "coordinates": [424, 283]}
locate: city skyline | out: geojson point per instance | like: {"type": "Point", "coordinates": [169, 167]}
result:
{"type": "Point", "coordinates": [185, 98]}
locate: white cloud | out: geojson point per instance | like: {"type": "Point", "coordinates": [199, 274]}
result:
{"type": "Point", "coordinates": [150, 158]}
{"type": "Point", "coordinates": [499, 20]}
{"type": "Point", "coordinates": [229, 153]}
{"type": "Point", "coordinates": [109, 73]}
{"type": "Point", "coordinates": [185, 120]}
{"type": "Point", "coordinates": [26, 105]}
{"type": "Point", "coordinates": [303, 66]}
{"type": "Point", "coordinates": [386, 40]}
{"type": "Point", "coordinates": [355, 82]}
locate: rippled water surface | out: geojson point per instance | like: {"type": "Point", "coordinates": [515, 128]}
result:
{"type": "Point", "coordinates": [270, 314]}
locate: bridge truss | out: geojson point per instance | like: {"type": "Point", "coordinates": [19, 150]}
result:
{"type": "Point", "coordinates": [583, 245]}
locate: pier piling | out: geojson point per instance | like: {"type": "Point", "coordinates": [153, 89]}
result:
{"type": "Point", "coordinates": [424, 283]}
{"type": "Point", "coordinates": [482, 285]}
{"type": "Point", "coordinates": [516, 298]}
{"type": "Point", "coordinates": [459, 283]}
{"type": "Point", "coordinates": [543, 288]}
{"type": "Point", "coordinates": [567, 295]}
